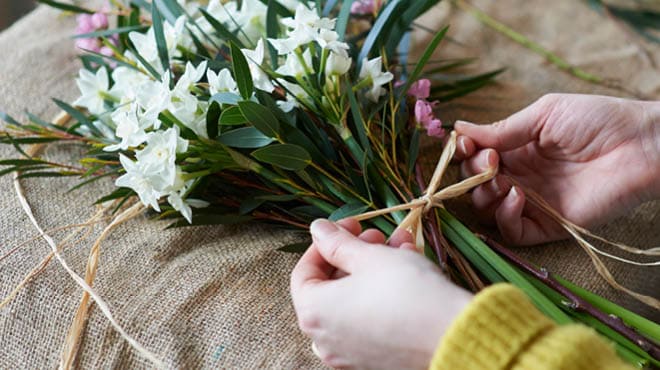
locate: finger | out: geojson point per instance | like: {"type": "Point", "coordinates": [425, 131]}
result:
{"type": "Point", "coordinates": [516, 228]}
{"type": "Point", "coordinates": [399, 237]}
{"type": "Point", "coordinates": [311, 268]}
{"type": "Point", "coordinates": [339, 247]}
{"type": "Point", "coordinates": [512, 132]}
{"type": "Point", "coordinates": [352, 225]}
{"type": "Point", "coordinates": [465, 148]}
{"type": "Point", "coordinates": [486, 195]}
{"type": "Point", "coordinates": [372, 236]}
{"type": "Point", "coordinates": [481, 162]}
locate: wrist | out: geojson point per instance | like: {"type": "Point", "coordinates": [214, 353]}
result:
{"type": "Point", "coordinates": [650, 139]}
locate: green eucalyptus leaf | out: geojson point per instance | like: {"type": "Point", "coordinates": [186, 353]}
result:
{"type": "Point", "coordinates": [286, 156]}
{"type": "Point", "coordinates": [232, 116]}
{"type": "Point", "coordinates": [348, 210]}
{"type": "Point", "coordinates": [272, 31]}
{"type": "Point", "coordinates": [212, 118]}
{"type": "Point", "coordinates": [260, 117]}
{"type": "Point", "coordinates": [241, 72]}
{"type": "Point", "coordinates": [226, 98]}
{"type": "Point", "coordinates": [245, 137]}
{"type": "Point", "coordinates": [421, 63]}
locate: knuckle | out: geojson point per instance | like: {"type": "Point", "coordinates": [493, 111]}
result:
{"type": "Point", "coordinates": [309, 320]}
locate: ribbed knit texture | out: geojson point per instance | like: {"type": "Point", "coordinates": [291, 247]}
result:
{"type": "Point", "coordinates": [501, 329]}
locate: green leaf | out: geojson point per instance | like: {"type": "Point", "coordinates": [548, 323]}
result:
{"type": "Point", "coordinates": [78, 116]}
{"type": "Point", "coordinates": [286, 156]}
{"type": "Point", "coordinates": [348, 210]}
{"type": "Point", "coordinates": [159, 34]}
{"type": "Point", "coordinates": [260, 117]}
{"type": "Point", "coordinates": [378, 31]}
{"type": "Point", "coordinates": [295, 247]}
{"type": "Point", "coordinates": [272, 31]}
{"type": "Point", "coordinates": [20, 162]}
{"type": "Point", "coordinates": [245, 137]}
{"type": "Point", "coordinates": [66, 7]}
{"type": "Point", "coordinates": [241, 72]}
{"type": "Point", "coordinates": [170, 9]}
{"type": "Point", "coordinates": [413, 150]}
{"type": "Point", "coordinates": [232, 116]}
{"type": "Point", "coordinates": [109, 32]}
{"type": "Point", "coordinates": [226, 98]}
{"type": "Point", "coordinates": [342, 19]}
{"type": "Point", "coordinates": [358, 121]}
{"type": "Point", "coordinates": [211, 219]}
{"type": "Point", "coordinates": [421, 63]}
{"type": "Point", "coordinates": [9, 119]}
{"type": "Point", "coordinates": [212, 118]}
{"type": "Point", "coordinates": [220, 29]}
{"type": "Point", "coordinates": [116, 194]}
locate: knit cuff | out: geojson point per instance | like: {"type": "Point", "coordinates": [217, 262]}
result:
{"type": "Point", "coordinates": [497, 326]}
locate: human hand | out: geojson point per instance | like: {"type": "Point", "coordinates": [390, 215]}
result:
{"type": "Point", "coordinates": [590, 157]}
{"type": "Point", "coordinates": [366, 305]}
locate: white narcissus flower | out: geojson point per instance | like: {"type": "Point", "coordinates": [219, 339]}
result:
{"type": "Point", "coordinates": [337, 64]}
{"type": "Point", "coordinates": [304, 27]}
{"type": "Point", "coordinates": [175, 199]}
{"type": "Point", "coordinates": [294, 97]}
{"type": "Point", "coordinates": [129, 130]}
{"type": "Point", "coordinates": [135, 179]}
{"type": "Point", "coordinates": [93, 90]}
{"type": "Point", "coordinates": [255, 59]}
{"type": "Point", "coordinates": [221, 82]}
{"type": "Point", "coordinates": [190, 77]}
{"type": "Point", "coordinates": [145, 43]}
{"type": "Point", "coordinates": [294, 67]}
{"type": "Point", "coordinates": [126, 80]}
{"type": "Point", "coordinates": [154, 97]}
{"type": "Point", "coordinates": [373, 70]}
{"type": "Point", "coordinates": [158, 158]}
{"type": "Point", "coordinates": [329, 39]}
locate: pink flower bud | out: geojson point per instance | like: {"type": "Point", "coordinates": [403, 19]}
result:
{"type": "Point", "coordinates": [421, 89]}
{"type": "Point", "coordinates": [423, 112]}
{"type": "Point", "coordinates": [89, 44]}
{"type": "Point", "coordinates": [99, 21]}
{"type": "Point", "coordinates": [362, 7]}
{"type": "Point", "coordinates": [434, 129]}
{"type": "Point", "coordinates": [85, 24]}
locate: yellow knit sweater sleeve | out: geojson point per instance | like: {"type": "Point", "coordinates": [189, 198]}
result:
{"type": "Point", "coordinates": [501, 329]}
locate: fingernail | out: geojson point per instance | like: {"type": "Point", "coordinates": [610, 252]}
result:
{"type": "Point", "coordinates": [491, 158]}
{"type": "Point", "coordinates": [322, 227]}
{"type": "Point", "coordinates": [461, 144]}
{"type": "Point", "coordinates": [514, 192]}
{"type": "Point", "coordinates": [496, 187]}
{"type": "Point", "coordinates": [463, 123]}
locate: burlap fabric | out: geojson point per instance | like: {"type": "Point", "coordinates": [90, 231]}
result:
{"type": "Point", "coordinates": [217, 297]}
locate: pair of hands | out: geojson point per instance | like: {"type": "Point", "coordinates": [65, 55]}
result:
{"type": "Point", "coordinates": [370, 305]}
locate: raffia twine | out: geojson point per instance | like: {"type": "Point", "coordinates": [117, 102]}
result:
{"type": "Point", "coordinates": [432, 198]}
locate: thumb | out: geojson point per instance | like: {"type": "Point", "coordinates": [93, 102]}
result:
{"type": "Point", "coordinates": [338, 246]}
{"type": "Point", "coordinates": [510, 133]}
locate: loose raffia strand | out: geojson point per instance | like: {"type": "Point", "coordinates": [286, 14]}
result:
{"type": "Point", "coordinates": [103, 306]}
{"type": "Point", "coordinates": [433, 198]}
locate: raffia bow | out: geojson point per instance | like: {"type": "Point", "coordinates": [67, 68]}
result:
{"type": "Point", "coordinates": [433, 197]}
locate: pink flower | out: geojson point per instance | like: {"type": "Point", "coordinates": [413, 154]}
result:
{"type": "Point", "coordinates": [99, 21]}
{"type": "Point", "coordinates": [85, 24]}
{"type": "Point", "coordinates": [425, 117]}
{"type": "Point", "coordinates": [421, 89]}
{"type": "Point", "coordinates": [89, 44]}
{"type": "Point", "coordinates": [365, 7]}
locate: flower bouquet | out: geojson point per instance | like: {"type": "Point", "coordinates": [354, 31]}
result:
{"type": "Point", "coordinates": [283, 111]}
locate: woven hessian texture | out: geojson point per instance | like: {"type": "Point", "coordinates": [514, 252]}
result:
{"type": "Point", "coordinates": [217, 297]}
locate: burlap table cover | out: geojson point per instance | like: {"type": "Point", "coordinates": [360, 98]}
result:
{"type": "Point", "coordinates": [217, 297]}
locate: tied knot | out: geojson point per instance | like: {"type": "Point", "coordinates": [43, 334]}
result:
{"type": "Point", "coordinates": [433, 197]}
